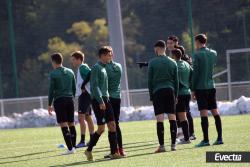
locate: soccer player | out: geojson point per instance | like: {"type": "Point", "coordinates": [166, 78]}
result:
{"type": "Point", "coordinates": [188, 113]}
{"type": "Point", "coordinates": [62, 89]}
{"type": "Point", "coordinates": [172, 41]}
{"type": "Point", "coordinates": [203, 87]}
{"type": "Point", "coordinates": [114, 71]}
{"type": "Point", "coordinates": [184, 95]}
{"type": "Point", "coordinates": [163, 90]}
{"type": "Point", "coordinates": [83, 92]}
{"type": "Point", "coordinates": [101, 105]}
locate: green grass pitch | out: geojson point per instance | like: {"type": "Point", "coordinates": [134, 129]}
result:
{"type": "Point", "coordinates": [38, 146]}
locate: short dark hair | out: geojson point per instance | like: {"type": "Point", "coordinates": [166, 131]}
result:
{"type": "Point", "coordinates": [177, 53]}
{"type": "Point", "coordinates": [182, 49]}
{"type": "Point", "coordinates": [160, 44]}
{"type": "Point", "coordinates": [202, 38]}
{"type": "Point", "coordinates": [57, 58]}
{"type": "Point", "coordinates": [173, 38]}
{"type": "Point", "coordinates": [104, 50]}
{"type": "Point", "coordinates": [78, 55]}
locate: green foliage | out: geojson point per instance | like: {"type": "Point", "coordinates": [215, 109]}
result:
{"type": "Point", "coordinates": [56, 44]}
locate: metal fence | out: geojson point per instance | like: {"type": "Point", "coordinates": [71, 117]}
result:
{"type": "Point", "coordinates": [138, 97]}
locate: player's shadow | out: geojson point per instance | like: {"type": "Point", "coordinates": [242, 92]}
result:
{"type": "Point", "coordinates": [30, 154]}
{"type": "Point", "coordinates": [106, 160]}
{"type": "Point", "coordinates": [128, 145]}
{"type": "Point", "coordinates": [8, 162]}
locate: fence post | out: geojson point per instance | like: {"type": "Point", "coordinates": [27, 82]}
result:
{"type": "Point", "coordinates": [41, 102]}
{"type": "Point", "coordinates": [2, 108]}
{"type": "Point", "coordinates": [229, 77]}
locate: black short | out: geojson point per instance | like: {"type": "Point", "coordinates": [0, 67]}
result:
{"type": "Point", "coordinates": [64, 109]}
{"type": "Point", "coordinates": [183, 103]}
{"type": "Point", "coordinates": [103, 117]}
{"type": "Point", "coordinates": [116, 105]}
{"type": "Point", "coordinates": [84, 103]}
{"type": "Point", "coordinates": [206, 99]}
{"type": "Point", "coordinates": [164, 101]}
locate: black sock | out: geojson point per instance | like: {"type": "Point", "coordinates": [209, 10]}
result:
{"type": "Point", "coordinates": [72, 130]}
{"type": "Point", "coordinates": [178, 121]}
{"type": "Point", "coordinates": [112, 142]}
{"type": "Point", "coordinates": [82, 138]}
{"type": "Point", "coordinates": [91, 136]}
{"type": "Point", "coordinates": [67, 137]}
{"type": "Point", "coordinates": [160, 132]}
{"type": "Point", "coordinates": [204, 126]}
{"type": "Point", "coordinates": [218, 126]}
{"type": "Point", "coordinates": [93, 141]}
{"type": "Point", "coordinates": [185, 129]}
{"type": "Point", "coordinates": [119, 135]}
{"type": "Point", "coordinates": [190, 123]}
{"type": "Point", "coordinates": [173, 130]}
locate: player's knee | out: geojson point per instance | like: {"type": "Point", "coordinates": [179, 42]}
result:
{"type": "Point", "coordinates": [160, 118]}
{"type": "Point", "coordinates": [112, 126]}
{"type": "Point", "coordinates": [71, 124]}
{"type": "Point", "coordinates": [81, 119]}
{"type": "Point", "coordinates": [215, 112]}
{"type": "Point", "coordinates": [63, 124]}
{"type": "Point", "coordinates": [171, 116]}
{"type": "Point", "coordinates": [88, 118]}
{"type": "Point", "coordinates": [182, 116]}
{"type": "Point", "coordinates": [204, 113]}
{"type": "Point", "coordinates": [100, 129]}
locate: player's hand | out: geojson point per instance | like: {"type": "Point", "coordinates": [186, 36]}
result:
{"type": "Point", "coordinates": [50, 110]}
{"type": "Point", "coordinates": [176, 100]}
{"type": "Point", "coordinates": [193, 96]}
{"type": "Point", "coordinates": [102, 107]}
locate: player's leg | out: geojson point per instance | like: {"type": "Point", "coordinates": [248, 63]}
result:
{"type": "Point", "coordinates": [185, 127]}
{"type": "Point", "coordinates": [112, 135]}
{"type": "Point", "coordinates": [170, 109]}
{"type": "Point", "coordinates": [160, 132]}
{"type": "Point", "coordinates": [116, 105]}
{"type": "Point", "coordinates": [61, 116]}
{"type": "Point", "coordinates": [181, 110]}
{"type": "Point", "coordinates": [191, 125]}
{"type": "Point", "coordinates": [81, 118]}
{"type": "Point", "coordinates": [70, 119]}
{"type": "Point", "coordinates": [213, 107]}
{"type": "Point", "coordinates": [90, 123]}
{"type": "Point", "coordinates": [202, 101]}
{"type": "Point", "coordinates": [179, 128]}
{"type": "Point", "coordinates": [190, 118]}
{"type": "Point", "coordinates": [93, 141]}
{"type": "Point", "coordinates": [173, 130]}
{"type": "Point", "coordinates": [158, 103]}
{"type": "Point", "coordinates": [100, 119]}
{"type": "Point", "coordinates": [88, 117]}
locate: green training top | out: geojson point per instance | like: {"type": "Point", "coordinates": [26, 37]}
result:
{"type": "Point", "coordinates": [62, 84]}
{"type": "Point", "coordinates": [184, 73]}
{"type": "Point", "coordinates": [204, 61]}
{"type": "Point", "coordinates": [114, 71]}
{"type": "Point", "coordinates": [99, 82]}
{"type": "Point", "coordinates": [84, 71]}
{"type": "Point", "coordinates": [162, 73]}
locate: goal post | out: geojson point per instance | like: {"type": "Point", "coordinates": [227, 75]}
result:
{"type": "Point", "coordinates": [229, 53]}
